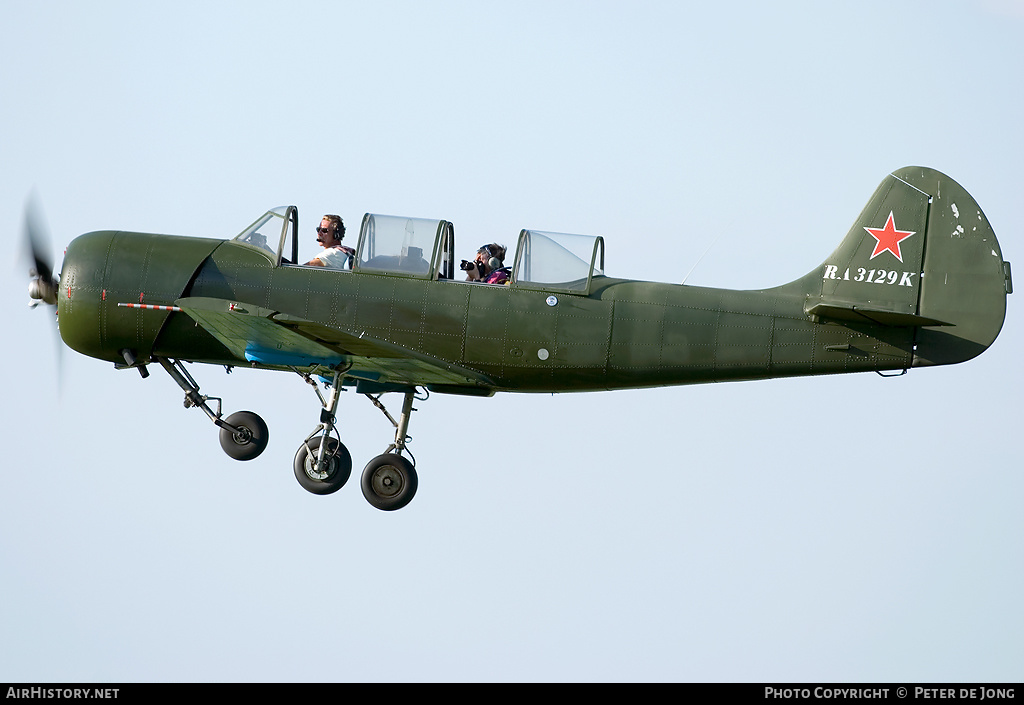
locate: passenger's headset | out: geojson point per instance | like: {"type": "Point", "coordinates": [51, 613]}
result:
{"type": "Point", "coordinates": [492, 261]}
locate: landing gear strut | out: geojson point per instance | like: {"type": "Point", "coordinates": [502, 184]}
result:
{"type": "Point", "coordinates": [322, 463]}
{"type": "Point", "coordinates": [389, 481]}
{"type": "Point", "coordinates": [243, 435]}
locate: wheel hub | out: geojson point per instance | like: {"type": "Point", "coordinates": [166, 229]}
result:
{"type": "Point", "coordinates": [387, 481]}
{"type": "Point", "coordinates": [317, 471]}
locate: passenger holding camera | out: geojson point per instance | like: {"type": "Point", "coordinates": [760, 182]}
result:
{"type": "Point", "coordinates": [488, 266]}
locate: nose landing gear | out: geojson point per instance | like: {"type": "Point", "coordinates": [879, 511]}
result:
{"type": "Point", "coordinates": [243, 435]}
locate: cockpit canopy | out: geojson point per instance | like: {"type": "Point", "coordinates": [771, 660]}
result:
{"type": "Point", "coordinates": [271, 232]}
{"type": "Point", "coordinates": [425, 249]}
{"type": "Point", "coordinates": [412, 246]}
{"type": "Point", "coordinates": [558, 261]}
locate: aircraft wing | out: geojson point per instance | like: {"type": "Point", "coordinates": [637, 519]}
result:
{"type": "Point", "coordinates": [278, 340]}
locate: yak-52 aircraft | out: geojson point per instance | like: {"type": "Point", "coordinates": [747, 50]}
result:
{"type": "Point", "coordinates": [919, 280]}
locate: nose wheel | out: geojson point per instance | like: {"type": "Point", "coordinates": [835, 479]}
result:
{"type": "Point", "coordinates": [244, 435]}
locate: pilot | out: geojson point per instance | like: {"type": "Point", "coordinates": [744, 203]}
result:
{"type": "Point", "coordinates": [329, 235]}
{"type": "Point", "coordinates": [488, 266]}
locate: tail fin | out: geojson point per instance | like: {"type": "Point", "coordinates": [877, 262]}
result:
{"type": "Point", "coordinates": [921, 254]}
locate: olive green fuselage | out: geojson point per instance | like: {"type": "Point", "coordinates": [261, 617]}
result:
{"type": "Point", "coordinates": [623, 334]}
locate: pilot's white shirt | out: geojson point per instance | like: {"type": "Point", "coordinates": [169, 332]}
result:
{"type": "Point", "coordinates": [336, 257]}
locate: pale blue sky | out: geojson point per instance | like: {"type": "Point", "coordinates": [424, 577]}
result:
{"type": "Point", "coordinates": [850, 528]}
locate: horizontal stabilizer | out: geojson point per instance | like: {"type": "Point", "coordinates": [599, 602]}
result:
{"type": "Point", "coordinates": [864, 314]}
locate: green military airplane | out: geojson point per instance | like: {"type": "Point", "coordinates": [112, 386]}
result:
{"type": "Point", "coordinates": [919, 280]}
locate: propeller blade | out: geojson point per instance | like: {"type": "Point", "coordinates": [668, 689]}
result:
{"type": "Point", "coordinates": [42, 286]}
{"type": "Point", "coordinates": [36, 236]}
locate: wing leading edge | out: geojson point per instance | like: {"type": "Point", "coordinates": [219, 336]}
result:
{"type": "Point", "coordinates": [277, 340]}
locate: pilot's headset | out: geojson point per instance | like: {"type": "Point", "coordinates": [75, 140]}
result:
{"type": "Point", "coordinates": [492, 261]}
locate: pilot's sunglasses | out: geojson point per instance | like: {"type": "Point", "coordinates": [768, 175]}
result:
{"type": "Point", "coordinates": [323, 231]}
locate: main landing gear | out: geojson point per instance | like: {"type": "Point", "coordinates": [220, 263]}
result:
{"type": "Point", "coordinates": [322, 464]}
{"type": "Point", "coordinates": [389, 481]}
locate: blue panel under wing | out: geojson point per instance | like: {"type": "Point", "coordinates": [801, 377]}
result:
{"type": "Point", "coordinates": [287, 358]}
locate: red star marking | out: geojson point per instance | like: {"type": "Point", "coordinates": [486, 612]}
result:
{"type": "Point", "coordinates": [889, 238]}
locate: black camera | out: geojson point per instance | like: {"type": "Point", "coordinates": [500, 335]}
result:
{"type": "Point", "coordinates": [467, 266]}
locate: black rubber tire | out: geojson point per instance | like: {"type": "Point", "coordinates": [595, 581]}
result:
{"type": "Point", "coordinates": [339, 470]}
{"type": "Point", "coordinates": [248, 444]}
{"type": "Point", "coordinates": [389, 482]}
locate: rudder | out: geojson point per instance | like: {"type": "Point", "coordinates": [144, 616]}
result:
{"type": "Point", "coordinates": [965, 279]}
